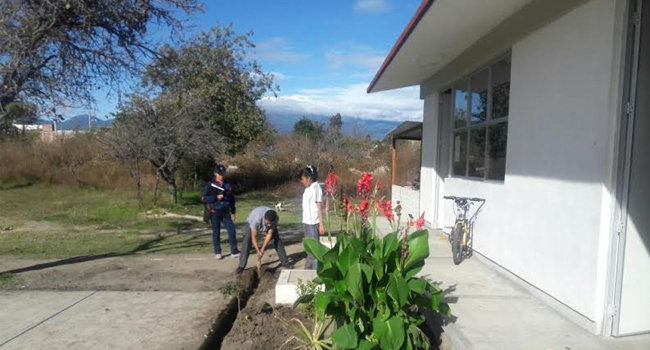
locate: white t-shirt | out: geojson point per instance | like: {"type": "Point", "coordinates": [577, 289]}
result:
{"type": "Point", "coordinates": [312, 194]}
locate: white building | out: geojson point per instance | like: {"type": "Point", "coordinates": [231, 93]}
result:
{"type": "Point", "coordinates": [542, 107]}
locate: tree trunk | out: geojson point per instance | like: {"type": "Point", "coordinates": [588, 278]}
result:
{"type": "Point", "coordinates": [173, 191]}
{"type": "Point", "coordinates": [155, 189]}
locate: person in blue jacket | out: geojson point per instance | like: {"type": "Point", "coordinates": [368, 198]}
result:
{"type": "Point", "coordinates": [220, 203]}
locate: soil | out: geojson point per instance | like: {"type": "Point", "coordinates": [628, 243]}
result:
{"type": "Point", "coordinates": [187, 273]}
{"type": "Point", "coordinates": [191, 272]}
{"type": "Point", "coordinates": [259, 325]}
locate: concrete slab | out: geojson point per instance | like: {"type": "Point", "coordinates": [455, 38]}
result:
{"type": "Point", "coordinates": [286, 286]}
{"type": "Point", "coordinates": [111, 320]}
{"type": "Point", "coordinates": [324, 240]}
{"type": "Point", "coordinates": [21, 311]}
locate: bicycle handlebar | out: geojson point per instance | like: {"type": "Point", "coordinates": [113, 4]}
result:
{"type": "Point", "coordinates": [473, 199]}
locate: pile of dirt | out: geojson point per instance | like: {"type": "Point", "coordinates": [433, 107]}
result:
{"type": "Point", "coordinates": [258, 325]}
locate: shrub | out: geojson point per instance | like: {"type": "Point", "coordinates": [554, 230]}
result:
{"type": "Point", "coordinates": [371, 291]}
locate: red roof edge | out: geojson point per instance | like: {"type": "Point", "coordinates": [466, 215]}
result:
{"type": "Point", "coordinates": [424, 6]}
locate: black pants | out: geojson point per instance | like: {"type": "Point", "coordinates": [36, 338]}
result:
{"type": "Point", "coordinates": [275, 241]}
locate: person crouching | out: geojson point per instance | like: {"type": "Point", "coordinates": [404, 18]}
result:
{"type": "Point", "coordinates": [262, 219]}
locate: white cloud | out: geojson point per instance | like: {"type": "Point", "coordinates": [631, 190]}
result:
{"type": "Point", "coordinates": [277, 76]}
{"type": "Point", "coordinates": [372, 6]}
{"type": "Point", "coordinates": [278, 49]}
{"type": "Point", "coordinates": [337, 59]}
{"type": "Point", "coordinates": [350, 101]}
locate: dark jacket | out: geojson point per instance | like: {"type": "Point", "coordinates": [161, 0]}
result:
{"type": "Point", "coordinates": [212, 190]}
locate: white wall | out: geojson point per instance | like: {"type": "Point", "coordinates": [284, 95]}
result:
{"type": "Point", "coordinates": [544, 221]}
{"type": "Point", "coordinates": [408, 198]}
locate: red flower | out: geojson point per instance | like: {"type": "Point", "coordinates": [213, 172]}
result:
{"type": "Point", "coordinates": [420, 221]}
{"type": "Point", "coordinates": [364, 184]}
{"type": "Point", "coordinates": [363, 207]}
{"type": "Point", "coordinates": [348, 205]}
{"type": "Point", "coordinates": [386, 208]}
{"type": "Point", "coordinates": [331, 183]}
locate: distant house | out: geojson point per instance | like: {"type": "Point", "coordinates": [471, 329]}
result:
{"type": "Point", "coordinates": [542, 108]}
{"type": "Point", "coordinates": [46, 131]}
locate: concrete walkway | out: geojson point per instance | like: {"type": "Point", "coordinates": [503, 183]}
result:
{"type": "Point", "coordinates": [106, 319]}
{"type": "Point", "coordinates": [491, 311]}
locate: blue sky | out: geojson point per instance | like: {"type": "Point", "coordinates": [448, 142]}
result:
{"type": "Point", "coordinates": [323, 54]}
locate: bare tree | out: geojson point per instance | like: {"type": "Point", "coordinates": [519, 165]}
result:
{"type": "Point", "coordinates": [166, 134]}
{"type": "Point", "coordinates": [59, 51]}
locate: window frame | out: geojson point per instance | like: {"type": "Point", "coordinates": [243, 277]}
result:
{"type": "Point", "coordinates": [489, 121]}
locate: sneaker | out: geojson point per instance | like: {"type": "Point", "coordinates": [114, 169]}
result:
{"type": "Point", "coordinates": [218, 256]}
{"type": "Point", "coordinates": [234, 256]}
{"type": "Point", "coordinates": [239, 271]}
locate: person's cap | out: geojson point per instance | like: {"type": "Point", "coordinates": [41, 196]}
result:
{"type": "Point", "coordinates": [220, 169]}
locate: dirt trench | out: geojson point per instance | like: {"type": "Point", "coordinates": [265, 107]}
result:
{"type": "Point", "coordinates": [252, 321]}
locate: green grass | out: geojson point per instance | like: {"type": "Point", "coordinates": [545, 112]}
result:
{"type": "Point", "coordinates": [58, 222]}
{"type": "Point", "coordinates": [9, 280]}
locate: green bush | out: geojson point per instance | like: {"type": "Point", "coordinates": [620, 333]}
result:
{"type": "Point", "coordinates": [371, 291]}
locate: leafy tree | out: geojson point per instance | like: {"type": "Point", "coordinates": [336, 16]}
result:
{"type": "Point", "coordinates": [58, 51]}
{"type": "Point", "coordinates": [19, 112]}
{"type": "Point", "coordinates": [312, 129]}
{"type": "Point", "coordinates": [215, 68]}
{"type": "Point", "coordinates": [336, 123]}
{"type": "Point", "coordinates": [163, 134]}
{"type": "Point", "coordinates": [206, 90]}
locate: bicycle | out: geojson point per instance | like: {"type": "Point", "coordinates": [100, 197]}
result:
{"type": "Point", "coordinates": [461, 234]}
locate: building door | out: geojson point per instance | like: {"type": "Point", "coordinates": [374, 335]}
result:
{"type": "Point", "coordinates": [634, 263]}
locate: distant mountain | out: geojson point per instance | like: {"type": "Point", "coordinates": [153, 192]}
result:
{"type": "Point", "coordinates": [80, 122]}
{"type": "Point", "coordinates": [283, 123]}
{"type": "Point", "coordinates": [377, 129]}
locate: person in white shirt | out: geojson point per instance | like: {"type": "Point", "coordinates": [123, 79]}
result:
{"type": "Point", "coordinates": [312, 209]}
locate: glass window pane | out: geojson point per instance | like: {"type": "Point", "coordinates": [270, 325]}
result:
{"type": "Point", "coordinates": [497, 142]}
{"type": "Point", "coordinates": [477, 152]}
{"type": "Point", "coordinates": [460, 154]}
{"type": "Point", "coordinates": [460, 107]}
{"type": "Point", "coordinates": [500, 88]}
{"type": "Point", "coordinates": [479, 87]}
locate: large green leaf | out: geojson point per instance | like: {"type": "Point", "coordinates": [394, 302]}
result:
{"type": "Point", "coordinates": [357, 245]}
{"type": "Point", "coordinates": [323, 299]}
{"type": "Point", "coordinates": [340, 286]}
{"type": "Point", "coordinates": [315, 248]}
{"type": "Point", "coordinates": [418, 248]}
{"type": "Point", "coordinates": [366, 345]}
{"type": "Point", "coordinates": [330, 274]}
{"type": "Point", "coordinates": [418, 285]}
{"type": "Point", "coordinates": [331, 255]}
{"type": "Point", "coordinates": [303, 299]}
{"type": "Point", "coordinates": [345, 337]}
{"type": "Point", "coordinates": [436, 300]}
{"type": "Point", "coordinates": [398, 289]}
{"type": "Point", "coordinates": [414, 269]}
{"type": "Point", "coordinates": [390, 243]}
{"type": "Point", "coordinates": [378, 266]}
{"type": "Point", "coordinates": [367, 271]}
{"type": "Point", "coordinates": [389, 333]}
{"type": "Point", "coordinates": [347, 258]}
{"type": "Point", "coordinates": [354, 282]}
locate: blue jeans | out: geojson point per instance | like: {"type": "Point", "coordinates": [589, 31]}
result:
{"type": "Point", "coordinates": [311, 231]}
{"type": "Point", "coordinates": [216, 219]}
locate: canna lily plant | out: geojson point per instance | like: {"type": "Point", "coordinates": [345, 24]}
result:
{"type": "Point", "coordinates": [371, 293]}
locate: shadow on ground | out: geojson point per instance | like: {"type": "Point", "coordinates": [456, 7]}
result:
{"type": "Point", "coordinates": [195, 239]}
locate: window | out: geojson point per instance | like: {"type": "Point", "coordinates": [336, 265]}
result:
{"type": "Point", "coordinates": [480, 123]}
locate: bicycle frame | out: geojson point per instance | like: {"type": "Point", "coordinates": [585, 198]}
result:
{"type": "Point", "coordinates": [461, 208]}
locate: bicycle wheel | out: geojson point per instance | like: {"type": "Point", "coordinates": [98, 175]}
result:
{"type": "Point", "coordinates": [456, 242]}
